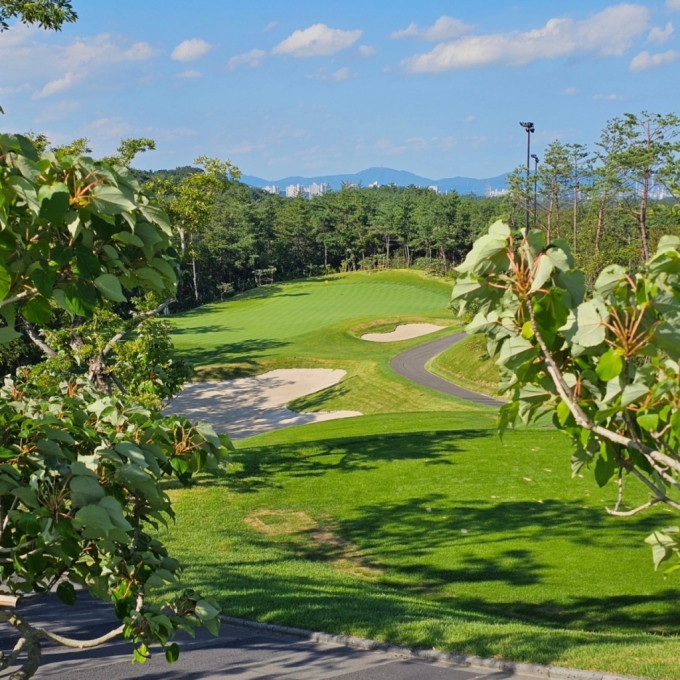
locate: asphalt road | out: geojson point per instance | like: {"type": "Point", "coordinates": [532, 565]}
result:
{"type": "Point", "coordinates": [239, 652]}
{"type": "Point", "coordinates": [411, 364]}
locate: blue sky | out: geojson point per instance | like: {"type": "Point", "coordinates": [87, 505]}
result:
{"type": "Point", "coordinates": [310, 88]}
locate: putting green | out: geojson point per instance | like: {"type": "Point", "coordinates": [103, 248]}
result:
{"type": "Point", "coordinates": [267, 321]}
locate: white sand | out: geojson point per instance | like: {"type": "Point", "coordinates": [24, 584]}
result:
{"type": "Point", "coordinates": [249, 406]}
{"type": "Point", "coordinates": [404, 332]}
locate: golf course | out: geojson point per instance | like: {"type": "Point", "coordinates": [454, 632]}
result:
{"type": "Point", "coordinates": [413, 523]}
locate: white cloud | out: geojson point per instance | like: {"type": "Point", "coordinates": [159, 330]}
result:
{"type": "Point", "coordinates": [103, 50]}
{"type": "Point", "coordinates": [191, 73]}
{"type": "Point", "coordinates": [609, 32]}
{"type": "Point", "coordinates": [469, 119]}
{"type": "Point", "coordinates": [109, 127]}
{"type": "Point", "coordinates": [270, 25]}
{"type": "Point", "coordinates": [338, 76]}
{"type": "Point", "coordinates": [57, 86]}
{"type": "Point", "coordinates": [252, 59]}
{"type": "Point", "coordinates": [570, 91]}
{"type": "Point", "coordinates": [140, 51]}
{"type": "Point", "coordinates": [367, 51]}
{"type": "Point", "coordinates": [609, 97]}
{"type": "Point", "coordinates": [673, 4]}
{"type": "Point", "coordinates": [317, 40]}
{"type": "Point", "coordinates": [661, 35]}
{"type": "Point", "coordinates": [190, 50]}
{"type": "Point", "coordinates": [65, 65]}
{"type": "Point", "coordinates": [445, 28]}
{"type": "Point", "coordinates": [644, 61]}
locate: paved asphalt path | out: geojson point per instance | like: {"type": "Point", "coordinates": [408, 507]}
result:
{"type": "Point", "coordinates": [411, 365]}
{"type": "Point", "coordinates": [240, 652]}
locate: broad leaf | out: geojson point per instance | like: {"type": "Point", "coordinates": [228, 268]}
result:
{"type": "Point", "coordinates": [109, 286]}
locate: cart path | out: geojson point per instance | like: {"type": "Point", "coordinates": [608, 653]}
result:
{"type": "Point", "coordinates": [411, 364]}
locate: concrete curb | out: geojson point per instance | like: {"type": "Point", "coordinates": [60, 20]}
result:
{"type": "Point", "coordinates": [535, 670]}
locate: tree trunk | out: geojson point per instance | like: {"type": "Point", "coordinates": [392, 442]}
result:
{"type": "Point", "coordinates": [643, 216]}
{"type": "Point", "coordinates": [193, 265]}
{"type": "Point", "coordinates": [600, 223]}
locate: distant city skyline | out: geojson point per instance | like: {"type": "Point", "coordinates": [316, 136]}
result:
{"type": "Point", "coordinates": [316, 89]}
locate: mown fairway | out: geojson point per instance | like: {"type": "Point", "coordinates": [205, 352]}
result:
{"type": "Point", "coordinates": [416, 525]}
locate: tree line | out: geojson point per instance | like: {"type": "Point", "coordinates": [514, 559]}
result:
{"type": "Point", "coordinates": [611, 203]}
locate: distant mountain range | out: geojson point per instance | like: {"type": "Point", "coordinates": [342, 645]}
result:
{"type": "Point", "coordinates": [386, 176]}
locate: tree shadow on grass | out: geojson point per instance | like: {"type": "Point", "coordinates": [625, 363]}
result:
{"type": "Point", "coordinates": [262, 467]}
{"type": "Point", "coordinates": [406, 535]}
{"type": "Point", "coordinates": [232, 358]}
{"type": "Point", "coordinates": [351, 606]}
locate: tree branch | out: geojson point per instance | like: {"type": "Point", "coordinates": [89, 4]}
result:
{"type": "Point", "coordinates": [655, 458]}
{"type": "Point", "coordinates": [140, 317]}
{"type": "Point", "coordinates": [79, 644]}
{"type": "Point", "coordinates": [32, 333]}
{"type": "Point", "coordinates": [630, 513]}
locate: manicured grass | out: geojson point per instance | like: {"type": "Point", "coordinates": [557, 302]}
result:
{"type": "Point", "coordinates": [426, 530]}
{"type": "Point", "coordinates": [312, 324]}
{"type": "Point", "coordinates": [416, 524]}
{"type": "Point", "coordinates": [468, 364]}
{"type": "Point", "coordinates": [280, 320]}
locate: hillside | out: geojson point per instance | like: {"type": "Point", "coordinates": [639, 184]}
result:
{"type": "Point", "coordinates": [385, 176]}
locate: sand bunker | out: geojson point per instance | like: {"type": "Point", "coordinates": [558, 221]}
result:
{"type": "Point", "coordinates": [404, 332]}
{"type": "Point", "coordinates": [248, 406]}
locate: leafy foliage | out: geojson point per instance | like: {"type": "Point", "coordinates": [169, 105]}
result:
{"type": "Point", "coordinates": [605, 364]}
{"type": "Point", "coordinates": [81, 468]}
{"type": "Point", "coordinates": [49, 14]}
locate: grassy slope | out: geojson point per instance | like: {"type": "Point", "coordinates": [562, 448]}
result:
{"type": "Point", "coordinates": [346, 543]}
{"type": "Point", "coordinates": [310, 324]}
{"type": "Point", "coordinates": [467, 364]}
{"type": "Point", "coordinates": [327, 527]}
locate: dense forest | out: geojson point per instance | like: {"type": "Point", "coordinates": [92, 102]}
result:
{"type": "Point", "coordinates": [611, 204]}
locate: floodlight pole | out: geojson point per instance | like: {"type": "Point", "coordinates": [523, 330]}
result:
{"type": "Point", "coordinates": [529, 127]}
{"type": "Point", "coordinates": [536, 162]}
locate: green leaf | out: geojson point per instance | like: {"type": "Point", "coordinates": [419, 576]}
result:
{"type": "Point", "coordinates": [604, 470]}
{"type": "Point", "coordinates": [610, 365]}
{"type": "Point", "coordinates": [610, 277]}
{"type": "Point", "coordinates": [156, 216]}
{"type": "Point", "coordinates": [80, 298]}
{"type": "Point", "coordinates": [67, 593]}
{"type": "Point", "coordinates": [544, 269]}
{"type": "Point", "coordinates": [128, 238]}
{"type": "Point", "coordinates": [5, 282]}
{"type": "Point", "coordinates": [591, 331]}
{"type": "Point", "coordinates": [55, 202]}
{"type": "Point", "coordinates": [667, 243]}
{"type": "Point", "coordinates": [26, 191]}
{"type": "Point", "coordinates": [633, 393]}
{"type": "Point", "coordinates": [500, 229]}
{"type": "Point", "coordinates": [206, 610]}
{"type": "Point", "coordinates": [44, 281]}
{"type": "Point", "coordinates": [8, 334]}
{"type": "Point", "coordinates": [109, 286]}
{"type": "Point", "coordinates": [513, 347]}
{"type": "Point", "coordinates": [151, 277]}
{"type": "Point", "coordinates": [88, 263]}
{"type": "Point", "coordinates": [560, 256]}
{"type": "Point", "coordinates": [172, 652]}
{"type": "Point", "coordinates": [85, 490]}
{"type": "Point", "coordinates": [575, 283]}
{"type": "Point", "coordinates": [110, 200]}
{"type": "Point", "coordinates": [38, 311]}
{"type": "Point", "coordinates": [95, 519]}
{"type": "Point", "coordinates": [648, 421]}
